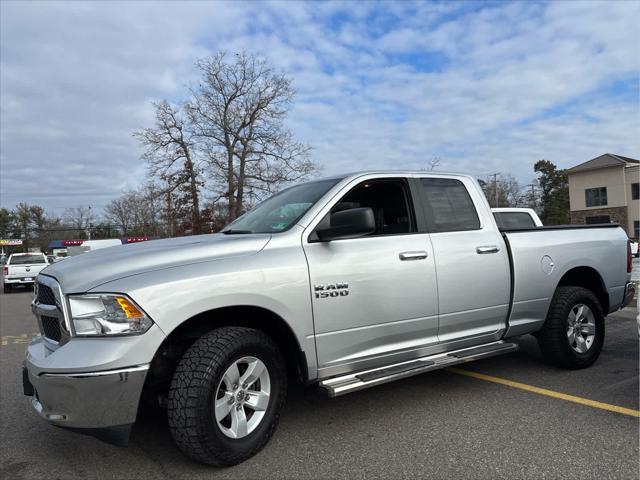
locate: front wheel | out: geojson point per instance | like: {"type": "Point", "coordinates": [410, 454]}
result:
{"type": "Point", "coordinates": [573, 333]}
{"type": "Point", "coordinates": [226, 395]}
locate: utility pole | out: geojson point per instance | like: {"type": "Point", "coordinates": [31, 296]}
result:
{"type": "Point", "coordinates": [532, 203]}
{"type": "Point", "coordinates": [495, 188]}
{"type": "Point", "coordinates": [88, 231]}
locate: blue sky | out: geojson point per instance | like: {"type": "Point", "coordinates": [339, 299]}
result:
{"type": "Point", "coordinates": [484, 86]}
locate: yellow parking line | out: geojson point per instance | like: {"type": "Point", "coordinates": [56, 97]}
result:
{"type": "Point", "coordinates": [23, 338]}
{"type": "Point", "coordinates": [548, 393]}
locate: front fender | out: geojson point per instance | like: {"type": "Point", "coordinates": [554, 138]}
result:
{"type": "Point", "coordinates": [275, 279]}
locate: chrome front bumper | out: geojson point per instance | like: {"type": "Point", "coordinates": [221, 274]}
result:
{"type": "Point", "coordinates": [86, 400]}
{"type": "Point", "coordinates": [91, 386]}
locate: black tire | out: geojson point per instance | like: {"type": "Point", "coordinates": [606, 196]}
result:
{"type": "Point", "coordinates": [194, 388]}
{"type": "Point", "coordinates": [552, 338]}
{"type": "Point", "coordinates": [7, 288]}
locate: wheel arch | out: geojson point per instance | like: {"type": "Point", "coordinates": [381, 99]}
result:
{"type": "Point", "coordinates": [589, 278]}
{"type": "Point", "coordinates": [184, 335]}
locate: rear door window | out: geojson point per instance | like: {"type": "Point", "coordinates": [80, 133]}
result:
{"type": "Point", "coordinates": [448, 206]}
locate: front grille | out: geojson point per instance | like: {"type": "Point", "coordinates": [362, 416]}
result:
{"type": "Point", "coordinates": [45, 295]}
{"type": "Point", "coordinates": [51, 327]}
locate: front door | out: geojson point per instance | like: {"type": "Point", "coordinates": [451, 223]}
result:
{"type": "Point", "coordinates": [375, 297]}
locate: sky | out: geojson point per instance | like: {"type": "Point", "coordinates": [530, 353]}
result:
{"type": "Point", "coordinates": [483, 86]}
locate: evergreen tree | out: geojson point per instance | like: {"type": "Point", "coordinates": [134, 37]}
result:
{"type": "Point", "coordinates": [554, 184]}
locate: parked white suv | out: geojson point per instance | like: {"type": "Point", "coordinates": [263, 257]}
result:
{"type": "Point", "coordinates": [22, 269]}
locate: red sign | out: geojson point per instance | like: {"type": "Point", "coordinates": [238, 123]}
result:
{"type": "Point", "coordinates": [137, 239]}
{"type": "Point", "coordinates": [71, 243]}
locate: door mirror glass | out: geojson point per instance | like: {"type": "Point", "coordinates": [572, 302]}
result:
{"type": "Point", "coordinates": [351, 223]}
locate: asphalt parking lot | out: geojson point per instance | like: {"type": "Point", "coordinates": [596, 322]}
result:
{"type": "Point", "coordinates": [439, 425]}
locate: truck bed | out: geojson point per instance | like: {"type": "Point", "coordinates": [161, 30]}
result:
{"type": "Point", "coordinates": [540, 257]}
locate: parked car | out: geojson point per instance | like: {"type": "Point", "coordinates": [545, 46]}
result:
{"type": "Point", "coordinates": [346, 283]}
{"type": "Point", "coordinates": [22, 269]}
{"type": "Point", "coordinates": [634, 247]}
{"type": "Point", "coordinates": [516, 217]}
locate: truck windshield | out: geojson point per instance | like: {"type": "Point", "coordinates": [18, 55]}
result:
{"type": "Point", "coordinates": [26, 259]}
{"type": "Point", "coordinates": [281, 211]}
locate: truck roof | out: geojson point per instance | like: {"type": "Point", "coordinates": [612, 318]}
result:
{"type": "Point", "coordinates": [428, 173]}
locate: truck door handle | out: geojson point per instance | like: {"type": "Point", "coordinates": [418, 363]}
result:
{"type": "Point", "coordinates": [421, 255]}
{"type": "Point", "coordinates": [487, 249]}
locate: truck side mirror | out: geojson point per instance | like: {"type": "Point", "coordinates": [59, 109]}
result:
{"type": "Point", "coordinates": [351, 223]}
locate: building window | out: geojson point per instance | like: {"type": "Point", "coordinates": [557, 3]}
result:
{"type": "Point", "coordinates": [596, 197]}
{"type": "Point", "coordinates": [635, 191]}
{"type": "Point", "coordinates": [597, 219]}
{"type": "Point", "coordinates": [636, 229]}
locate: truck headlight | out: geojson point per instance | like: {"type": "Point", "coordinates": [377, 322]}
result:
{"type": "Point", "coordinates": [107, 314]}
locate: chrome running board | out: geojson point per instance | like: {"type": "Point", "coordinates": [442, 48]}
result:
{"type": "Point", "coordinates": [352, 382]}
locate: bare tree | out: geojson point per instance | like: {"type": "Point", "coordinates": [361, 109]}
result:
{"type": "Point", "coordinates": [170, 153]}
{"type": "Point", "coordinates": [79, 217]}
{"type": "Point", "coordinates": [136, 212]}
{"type": "Point", "coordinates": [433, 163]}
{"type": "Point", "coordinates": [118, 212]}
{"type": "Point", "coordinates": [503, 191]}
{"type": "Point", "coordinates": [237, 113]}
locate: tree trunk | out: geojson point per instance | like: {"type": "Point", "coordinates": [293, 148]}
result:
{"type": "Point", "coordinates": [240, 194]}
{"type": "Point", "coordinates": [230, 196]}
{"type": "Point", "coordinates": [197, 223]}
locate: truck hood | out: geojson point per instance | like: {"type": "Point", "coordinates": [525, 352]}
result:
{"type": "Point", "coordinates": [91, 269]}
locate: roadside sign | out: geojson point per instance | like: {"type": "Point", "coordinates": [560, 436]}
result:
{"type": "Point", "coordinates": [10, 242]}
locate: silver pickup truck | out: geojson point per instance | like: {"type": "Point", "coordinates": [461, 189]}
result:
{"type": "Point", "coordinates": [346, 283]}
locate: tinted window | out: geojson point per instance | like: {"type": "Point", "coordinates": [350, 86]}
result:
{"type": "Point", "coordinates": [389, 201]}
{"type": "Point", "coordinates": [595, 197]}
{"type": "Point", "coordinates": [449, 206]}
{"type": "Point", "coordinates": [514, 220]}
{"type": "Point", "coordinates": [26, 259]}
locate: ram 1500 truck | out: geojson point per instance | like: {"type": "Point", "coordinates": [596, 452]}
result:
{"type": "Point", "coordinates": [346, 282]}
{"type": "Point", "coordinates": [22, 269]}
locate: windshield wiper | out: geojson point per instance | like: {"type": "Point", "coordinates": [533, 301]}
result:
{"type": "Point", "coordinates": [231, 231]}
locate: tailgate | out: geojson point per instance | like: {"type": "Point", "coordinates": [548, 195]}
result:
{"type": "Point", "coordinates": [23, 271]}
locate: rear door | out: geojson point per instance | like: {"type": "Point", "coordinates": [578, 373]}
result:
{"type": "Point", "coordinates": [375, 297]}
{"type": "Point", "coordinates": [471, 259]}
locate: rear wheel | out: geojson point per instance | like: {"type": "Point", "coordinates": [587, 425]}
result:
{"type": "Point", "coordinates": [573, 333]}
{"type": "Point", "coordinates": [226, 395]}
